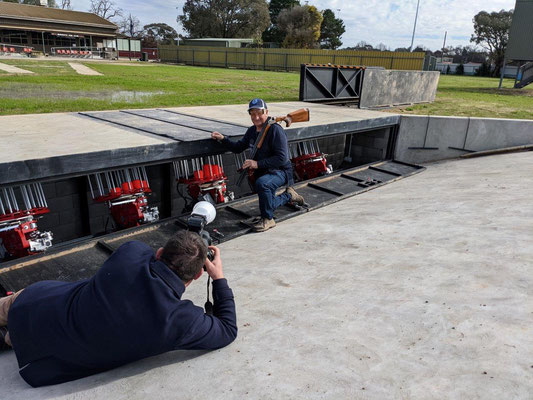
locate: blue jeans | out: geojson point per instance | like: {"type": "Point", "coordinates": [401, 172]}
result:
{"type": "Point", "coordinates": [266, 187]}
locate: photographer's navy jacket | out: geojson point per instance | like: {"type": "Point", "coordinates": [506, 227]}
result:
{"type": "Point", "coordinates": [129, 310]}
{"type": "Point", "coordinates": [273, 154]}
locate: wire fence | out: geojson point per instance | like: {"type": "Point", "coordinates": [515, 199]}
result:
{"type": "Point", "coordinates": [287, 59]}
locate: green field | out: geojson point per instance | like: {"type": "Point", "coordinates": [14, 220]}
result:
{"type": "Point", "coordinates": [56, 87]}
{"type": "Point", "coordinates": [470, 96]}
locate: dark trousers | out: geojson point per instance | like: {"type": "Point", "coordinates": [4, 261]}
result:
{"type": "Point", "coordinates": [266, 187]}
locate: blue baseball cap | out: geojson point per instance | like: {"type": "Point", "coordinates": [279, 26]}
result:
{"type": "Point", "coordinates": [257, 104]}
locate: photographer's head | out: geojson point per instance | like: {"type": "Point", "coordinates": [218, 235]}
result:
{"type": "Point", "coordinates": [185, 254]}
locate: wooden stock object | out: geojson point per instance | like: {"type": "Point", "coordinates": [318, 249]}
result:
{"type": "Point", "coordinates": [301, 115]}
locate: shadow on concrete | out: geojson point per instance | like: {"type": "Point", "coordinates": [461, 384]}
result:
{"type": "Point", "coordinates": [14, 387]}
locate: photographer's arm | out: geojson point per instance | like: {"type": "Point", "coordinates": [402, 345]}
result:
{"type": "Point", "coordinates": [216, 331]}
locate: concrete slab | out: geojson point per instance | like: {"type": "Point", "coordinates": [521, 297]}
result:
{"type": "Point", "coordinates": [447, 136]}
{"type": "Point", "coordinates": [14, 70]}
{"type": "Point", "coordinates": [385, 88]}
{"type": "Point", "coordinates": [33, 136]}
{"type": "Point", "coordinates": [419, 290]}
{"type": "Point", "coordinates": [57, 141]}
{"type": "Point", "coordinates": [320, 113]}
{"type": "Point", "coordinates": [83, 70]}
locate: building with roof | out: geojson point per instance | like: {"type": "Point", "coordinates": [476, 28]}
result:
{"type": "Point", "coordinates": [218, 42]}
{"type": "Point", "coordinates": [45, 28]}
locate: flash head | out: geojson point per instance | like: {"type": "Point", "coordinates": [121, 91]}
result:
{"type": "Point", "coordinates": [206, 210]}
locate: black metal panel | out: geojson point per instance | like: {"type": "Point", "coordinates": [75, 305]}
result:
{"type": "Point", "coordinates": [154, 238]}
{"type": "Point", "coordinates": [181, 133]}
{"type": "Point", "coordinates": [369, 175]}
{"type": "Point", "coordinates": [397, 168]}
{"type": "Point", "coordinates": [187, 121]}
{"type": "Point", "coordinates": [341, 185]}
{"type": "Point", "coordinates": [73, 265]}
{"type": "Point", "coordinates": [326, 82]}
{"type": "Point", "coordinates": [314, 197]}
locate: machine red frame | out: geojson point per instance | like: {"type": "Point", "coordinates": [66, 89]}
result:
{"type": "Point", "coordinates": [206, 179]}
{"type": "Point", "coordinates": [125, 193]}
{"type": "Point", "coordinates": [18, 227]}
{"type": "Point", "coordinates": [308, 161]}
{"type": "Point", "coordinates": [309, 166]}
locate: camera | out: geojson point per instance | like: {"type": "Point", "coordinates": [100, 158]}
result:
{"type": "Point", "coordinates": [203, 213]}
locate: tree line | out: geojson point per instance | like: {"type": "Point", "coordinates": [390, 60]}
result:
{"type": "Point", "coordinates": [282, 23]}
{"type": "Point", "coordinates": [289, 24]}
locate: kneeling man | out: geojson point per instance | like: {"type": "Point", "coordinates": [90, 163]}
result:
{"type": "Point", "coordinates": [271, 165]}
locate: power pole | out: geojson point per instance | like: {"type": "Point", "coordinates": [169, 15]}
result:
{"type": "Point", "coordinates": [414, 27]}
{"type": "Point", "coordinates": [444, 47]}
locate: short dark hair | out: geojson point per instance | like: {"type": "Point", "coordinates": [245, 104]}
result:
{"type": "Point", "coordinates": [185, 254]}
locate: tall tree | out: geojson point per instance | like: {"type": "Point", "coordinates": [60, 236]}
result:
{"type": "Point", "coordinates": [130, 26]}
{"type": "Point", "coordinates": [65, 5]}
{"type": "Point", "coordinates": [225, 18]}
{"type": "Point", "coordinates": [301, 26]}
{"type": "Point", "coordinates": [106, 9]}
{"type": "Point", "coordinates": [273, 34]}
{"type": "Point", "coordinates": [491, 31]}
{"type": "Point", "coordinates": [331, 30]}
{"type": "Point", "coordinates": [158, 33]}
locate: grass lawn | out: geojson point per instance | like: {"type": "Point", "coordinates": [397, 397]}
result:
{"type": "Point", "coordinates": [56, 87]}
{"type": "Point", "coordinates": [470, 96]}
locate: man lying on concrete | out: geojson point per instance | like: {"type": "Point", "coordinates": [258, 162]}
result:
{"type": "Point", "coordinates": [131, 309]}
{"type": "Point", "coordinates": [271, 165]}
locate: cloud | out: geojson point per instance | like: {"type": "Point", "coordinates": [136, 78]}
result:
{"type": "Point", "coordinates": [373, 21]}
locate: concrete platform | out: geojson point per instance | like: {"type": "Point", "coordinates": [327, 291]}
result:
{"type": "Point", "coordinates": [13, 70]}
{"type": "Point", "coordinates": [48, 145]}
{"type": "Point", "coordinates": [419, 290]}
{"type": "Point", "coordinates": [82, 69]}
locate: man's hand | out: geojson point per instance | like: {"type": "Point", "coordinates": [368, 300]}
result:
{"type": "Point", "coordinates": [214, 269]}
{"type": "Point", "coordinates": [217, 136]}
{"type": "Point", "coordinates": [252, 164]}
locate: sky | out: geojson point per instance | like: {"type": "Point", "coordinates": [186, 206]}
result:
{"type": "Point", "coordinates": [374, 21]}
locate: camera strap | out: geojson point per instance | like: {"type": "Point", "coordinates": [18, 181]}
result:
{"type": "Point", "coordinates": [208, 305]}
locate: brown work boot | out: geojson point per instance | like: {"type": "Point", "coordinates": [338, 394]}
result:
{"type": "Point", "coordinates": [264, 225]}
{"type": "Point", "coordinates": [295, 197]}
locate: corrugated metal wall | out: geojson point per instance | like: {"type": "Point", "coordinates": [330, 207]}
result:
{"type": "Point", "coordinates": [287, 59]}
{"type": "Point", "coordinates": [520, 46]}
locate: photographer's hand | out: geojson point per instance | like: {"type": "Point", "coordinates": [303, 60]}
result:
{"type": "Point", "coordinates": [214, 268]}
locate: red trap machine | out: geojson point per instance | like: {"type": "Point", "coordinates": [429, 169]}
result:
{"type": "Point", "coordinates": [19, 235]}
{"type": "Point", "coordinates": [126, 193]}
{"type": "Point", "coordinates": [308, 161]}
{"type": "Point", "coordinates": [204, 179]}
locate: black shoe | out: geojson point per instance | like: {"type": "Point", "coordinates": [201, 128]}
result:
{"type": "Point", "coordinates": [3, 344]}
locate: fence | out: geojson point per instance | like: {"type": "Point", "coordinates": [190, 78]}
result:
{"type": "Point", "coordinates": [287, 59]}
{"type": "Point", "coordinates": [11, 49]}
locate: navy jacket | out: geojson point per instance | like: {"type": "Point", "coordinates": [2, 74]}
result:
{"type": "Point", "coordinates": [273, 154]}
{"type": "Point", "coordinates": [129, 310]}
